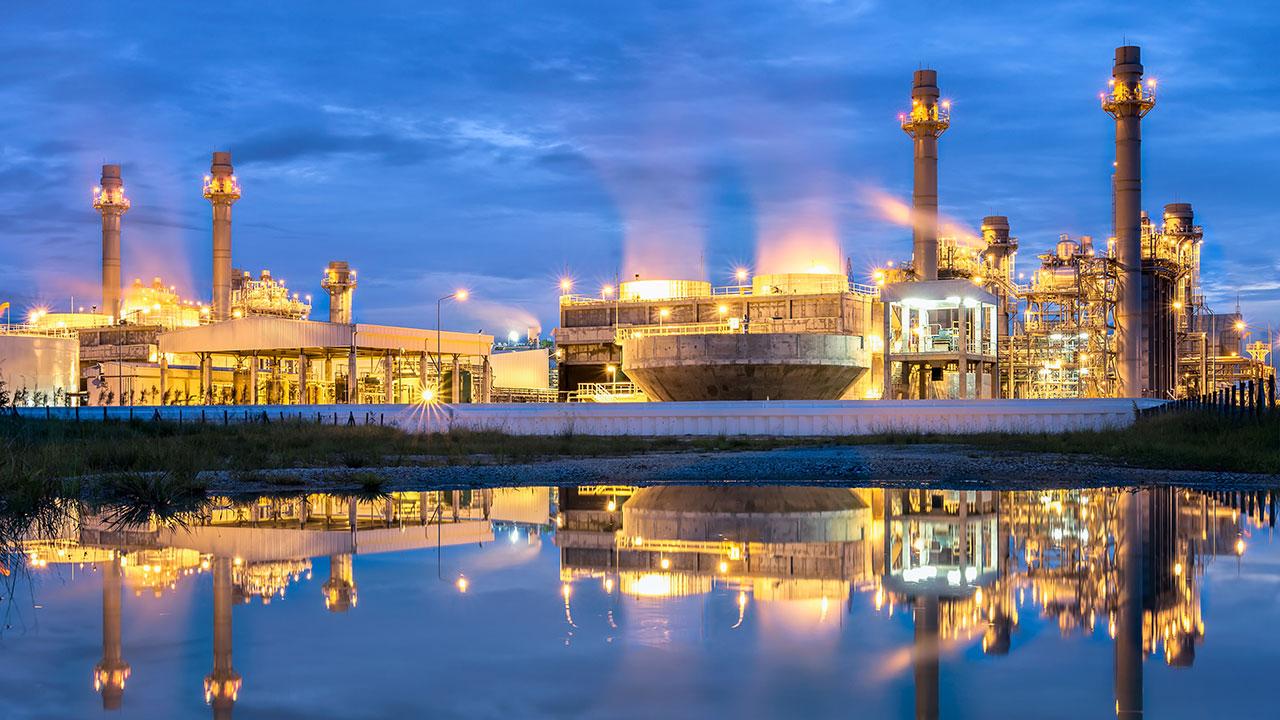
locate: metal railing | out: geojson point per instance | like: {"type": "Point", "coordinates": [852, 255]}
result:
{"type": "Point", "coordinates": [608, 392]}
{"type": "Point", "coordinates": [37, 330]}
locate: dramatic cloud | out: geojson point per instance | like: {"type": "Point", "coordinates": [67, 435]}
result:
{"type": "Point", "coordinates": [496, 144]}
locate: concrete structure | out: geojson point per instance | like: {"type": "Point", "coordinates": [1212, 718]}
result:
{"type": "Point", "coordinates": [222, 190]}
{"type": "Point", "coordinates": [738, 366]}
{"type": "Point", "coordinates": [1128, 101]}
{"type": "Point", "coordinates": [928, 119]}
{"type": "Point", "coordinates": [794, 418]}
{"type": "Point", "coordinates": [340, 282]}
{"type": "Point", "coordinates": [798, 335]}
{"type": "Point", "coordinates": [109, 200]}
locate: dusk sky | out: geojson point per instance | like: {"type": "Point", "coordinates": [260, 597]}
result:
{"type": "Point", "coordinates": [496, 145]}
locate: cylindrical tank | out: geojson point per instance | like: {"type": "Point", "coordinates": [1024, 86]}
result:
{"type": "Point", "coordinates": [1066, 248]}
{"type": "Point", "coordinates": [799, 283]}
{"type": "Point", "coordinates": [40, 369]}
{"type": "Point", "coordinates": [663, 289]}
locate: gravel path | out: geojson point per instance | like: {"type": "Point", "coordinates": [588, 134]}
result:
{"type": "Point", "coordinates": [915, 465]}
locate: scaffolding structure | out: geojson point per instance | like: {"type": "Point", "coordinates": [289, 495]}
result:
{"type": "Point", "coordinates": [1064, 346]}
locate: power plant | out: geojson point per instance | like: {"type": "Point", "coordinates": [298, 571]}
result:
{"type": "Point", "coordinates": [1120, 317]}
{"type": "Point", "coordinates": [1124, 318]}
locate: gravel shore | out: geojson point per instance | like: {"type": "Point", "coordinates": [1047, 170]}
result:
{"type": "Point", "coordinates": [909, 465]}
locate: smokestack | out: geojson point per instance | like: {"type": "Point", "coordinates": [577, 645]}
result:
{"type": "Point", "coordinates": [927, 120]}
{"type": "Point", "coordinates": [222, 190]}
{"type": "Point", "coordinates": [1000, 246]}
{"type": "Point", "coordinates": [340, 282]}
{"type": "Point", "coordinates": [109, 199]}
{"type": "Point", "coordinates": [1128, 101]}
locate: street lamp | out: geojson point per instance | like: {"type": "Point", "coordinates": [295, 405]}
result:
{"type": "Point", "coordinates": [663, 314]}
{"type": "Point", "coordinates": [612, 370]}
{"type": "Point", "coordinates": [459, 295]}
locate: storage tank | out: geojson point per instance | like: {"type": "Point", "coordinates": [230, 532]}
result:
{"type": "Point", "coordinates": [663, 289]}
{"type": "Point", "coordinates": [40, 364]}
{"type": "Point", "coordinates": [799, 283]}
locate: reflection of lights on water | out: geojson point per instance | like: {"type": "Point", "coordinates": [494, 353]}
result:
{"type": "Point", "coordinates": [463, 584]}
{"type": "Point", "coordinates": [742, 608]}
{"type": "Point", "coordinates": [724, 567]}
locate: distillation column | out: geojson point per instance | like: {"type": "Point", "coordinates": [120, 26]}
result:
{"type": "Point", "coordinates": [111, 672]}
{"type": "Point", "coordinates": [221, 189]}
{"type": "Point", "coordinates": [340, 282]}
{"type": "Point", "coordinates": [109, 199]}
{"type": "Point", "coordinates": [927, 121]}
{"type": "Point", "coordinates": [1128, 101]}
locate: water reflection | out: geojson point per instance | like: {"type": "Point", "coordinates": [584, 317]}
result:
{"type": "Point", "coordinates": [789, 564]}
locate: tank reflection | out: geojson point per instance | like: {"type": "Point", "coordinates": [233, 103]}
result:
{"type": "Point", "coordinates": [965, 564]}
{"type": "Point", "coordinates": [257, 548]}
{"type": "Point", "coordinates": [788, 563]}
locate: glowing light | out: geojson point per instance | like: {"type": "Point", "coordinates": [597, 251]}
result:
{"type": "Point", "coordinates": [723, 309]}
{"type": "Point", "coordinates": [612, 506]}
{"type": "Point", "coordinates": [461, 295]}
{"type": "Point", "coordinates": [1240, 326]}
{"type": "Point", "coordinates": [565, 285]}
{"type": "Point", "coordinates": [428, 395]}
{"type": "Point", "coordinates": [462, 584]}
{"type": "Point", "coordinates": [724, 567]}
{"type": "Point", "coordinates": [1239, 546]}
{"type": "Point", "coordinates": [741, 274]}
{"type": "Point", "coordinates": [607, 291]}
{"type": "Point", "coordinates": [513, 337]}
{"type": "Point", "coordinates": [665, 563]}
{"type": "Point", "coordinates": [665, 312]}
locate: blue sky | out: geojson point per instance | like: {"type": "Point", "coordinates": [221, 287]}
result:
{"type": "Point", "coordinates": [494, 145]}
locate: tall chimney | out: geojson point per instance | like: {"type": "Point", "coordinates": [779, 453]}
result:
{"type": "Point", "coordinates": [222, 190]}
{"type": "Point", "coordinates": [340, 282]}
{"type": "Point", "coordinates": [927, 120]}
{"type": "Point", "coordinates": [109, 199]}
{"type": "Point", "coordinates": [1128, 101]}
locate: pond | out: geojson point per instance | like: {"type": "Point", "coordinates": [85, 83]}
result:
{"type": "Point", "coordinates": [664, 601]}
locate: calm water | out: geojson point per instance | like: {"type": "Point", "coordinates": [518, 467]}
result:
{"type": "Point", "coordinates": [658, 602]}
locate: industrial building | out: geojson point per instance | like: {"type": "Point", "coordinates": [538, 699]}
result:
{"type": "Point", "coordinates": [1123, 318]}
{"type": "Point", "coordinates": [254, 343]}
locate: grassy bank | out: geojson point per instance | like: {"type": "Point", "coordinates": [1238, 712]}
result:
{"type": "Point", "coordinates": [57, 449]}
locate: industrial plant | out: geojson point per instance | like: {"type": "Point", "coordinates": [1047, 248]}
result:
{"type": "Point", "coordinates": [1126, 317]}
{"type": "Point", "coordinates": [1123, 317]}
{"type": "Point", "coordinates": [254, 343]}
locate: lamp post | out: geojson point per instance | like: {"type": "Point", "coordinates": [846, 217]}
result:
{"type": "Point", "coordinates": [612, 370]}
{"type": "Point", "coordinates": [460, 295]}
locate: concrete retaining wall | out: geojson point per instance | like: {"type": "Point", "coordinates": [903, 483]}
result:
{"type": "Point", "coordinates": [794, 417]}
